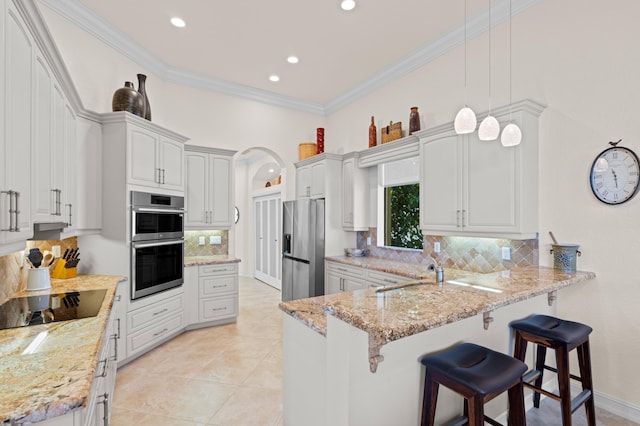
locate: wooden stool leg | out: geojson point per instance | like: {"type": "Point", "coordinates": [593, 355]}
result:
{"type": "Point", "coordinates": [562, 363]}
{"type": "Point", "coordinates": [520, 348]}
{"type": "Point", "coordinates": [584, 360]}
{"type": "Point", "coordinates": [430, 400]}
{"type": "Point", "coordinates": [476, 411]}
{"type": "Point", "coordinates": [540, 360]}
{"type": "Point", "coordinates": [517, 414]}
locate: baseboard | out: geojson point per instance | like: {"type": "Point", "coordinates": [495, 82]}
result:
{"type": "Point", "coordinates": [606, 402]}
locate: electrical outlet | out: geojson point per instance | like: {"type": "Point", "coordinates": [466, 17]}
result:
{"type": "Point", "coordinates": [55, 250]}
{"type": "Point", "coordinates": [201, 240]}
{"type": "Point", "coordinates": [436, 247]}
{"type": "Point", "coordinates": [215, 239]}
{"type": "Point", "coordinates": [506, 253]}
{"type": "Point", "coordinates": [368, 241]}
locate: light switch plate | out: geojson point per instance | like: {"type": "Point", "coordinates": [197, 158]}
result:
{"type": "Point", "coordinates": [436, 247]}
{"type": "Point", "coordinates": [201, 240]}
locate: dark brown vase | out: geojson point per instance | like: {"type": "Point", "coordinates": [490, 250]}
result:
{"type": "Point", "coordinates": [142, 79]}
{"type": "Point", "coordinates": [373, 134]}
{"type": "Point", "coordinates": [128, 99]}
{"type": "Point", "coordinates": [414, 120]}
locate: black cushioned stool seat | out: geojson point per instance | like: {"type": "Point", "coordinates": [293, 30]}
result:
{"type": "Point", "coordinates": [479, 375]}
{"type": "Point", "coordinates": [562, 336]}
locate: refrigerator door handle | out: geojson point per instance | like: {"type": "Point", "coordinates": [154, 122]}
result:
{"type": "Point", "coordinates": [286, 246]}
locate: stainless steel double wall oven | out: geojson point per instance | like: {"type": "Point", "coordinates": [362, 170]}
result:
{"type": "Point", "coordinates": [157, 243]}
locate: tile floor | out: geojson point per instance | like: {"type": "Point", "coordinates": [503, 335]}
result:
{"type": "Point", "coordinates": [231, 375]}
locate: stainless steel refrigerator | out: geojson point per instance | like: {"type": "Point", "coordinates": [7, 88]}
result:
{"type": "Point", "coordinates": [302, 249]}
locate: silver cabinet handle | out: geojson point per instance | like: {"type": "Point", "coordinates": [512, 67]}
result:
{"type": "Point", "coordinates": [105, 412]}
{"type": "Point", "coordinates": [164, 330]}
{"type": "Point", "coordinates": [163, 170]}
{"type": "Point", "coordinates": [104, 362]}
{"type": "Point", "coordinates": [115, 338]}
{"type": "Point", "coordinates": [219, 309]}
{"type": "Point", "coordinates": [159, 180]}
{"type": "Point", "coordinates": [464, 220]}
{"type": "Point", "coordinates": [160, 312]}
{"type": "Point", "coordinates": [57, 202]}
{"type": "Point", "coordinates": [458, 218]}
{"type": "Point", "coordinates": [70, 214]}
{"type": "Point", "coordinates": [118, 319]}
{"type": "Point", "coordinates": [14, 211]}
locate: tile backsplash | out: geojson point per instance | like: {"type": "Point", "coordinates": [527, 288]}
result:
{"type": "Point", "coordinates": [193, 248]}
{"type": "Point", "coordinates": [472, 254]}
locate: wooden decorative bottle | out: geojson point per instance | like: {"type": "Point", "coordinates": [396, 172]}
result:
{"type": "Point", "coordinates": [373, 134]}
{"type": "Point", "coordinates": [414, 120]}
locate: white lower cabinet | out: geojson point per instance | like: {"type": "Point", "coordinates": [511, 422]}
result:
{"type": "Point", "coordinates": [154, 323]}
{"type": "Point", "coordinates": [340, 277]}
{"type": "Point", "coordinates": [212, 294]}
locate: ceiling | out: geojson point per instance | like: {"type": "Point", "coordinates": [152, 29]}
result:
{"type": "Point", "coordinates": [233, 46]}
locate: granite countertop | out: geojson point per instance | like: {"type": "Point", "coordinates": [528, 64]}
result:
{"type": "Point", "coordinates": [417, 271]}
{"type": "Point", "coordinates": [403, 310]}
{"type": "Point", "coordinates": [57, 378]}
{"type": "Point", "coordinates": [213, 259]}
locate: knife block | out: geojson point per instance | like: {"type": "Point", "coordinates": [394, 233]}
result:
{"type": "Point", "coordinates": [63, 273]}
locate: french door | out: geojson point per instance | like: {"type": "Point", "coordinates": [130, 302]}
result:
{"type": "Point", "coordinates": [268, 229]}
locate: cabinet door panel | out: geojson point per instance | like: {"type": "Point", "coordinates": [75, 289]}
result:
{"type": "Point", "coordinates": [17, 137]}
{"type": "Point", "coordinates": [490, 194]}
{"type": "Point", "coordinates": [58, 160]}
{"type": "Point", "coordinates": [317, 180]}
{"type": "Point", "coordinates": [303, 182]}
{"type": "Point", "coordinates": [142, 158]}
{"type": "Point", "coordinates": [41, 176]}
{"type": "Point", "coordinates": [172, 163]}
{"type": "Point", "coordinates": [332, 283]}
{"type": "Point", "coordinates": [440, 184]}
{"type": "Point", "coordinates": [220, 191]}
{"type": "Point", "coordinates": [196, 193]}
{"type": "Point", "coordinates": [347, 193]}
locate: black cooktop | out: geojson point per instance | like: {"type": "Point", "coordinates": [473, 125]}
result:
{"type": "Point", "coordinates": [35, 310]}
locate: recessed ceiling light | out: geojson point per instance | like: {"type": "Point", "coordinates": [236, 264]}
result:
{"type": "Point", "coordinates": [274, 78]}
{"type": "Point", "coordinates": [347, 4]}
{"type": "Point", "coordinates": [293, 59]}
{"type": "Point", "coordinates": [178, 22]}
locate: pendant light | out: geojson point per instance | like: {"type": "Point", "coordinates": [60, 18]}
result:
{"type": "Point", "coordinates": [489, 128]}
{"type": "Point", "coordinates": [511, 134]}
{"type": "Point", "coordinates": [465, 121]}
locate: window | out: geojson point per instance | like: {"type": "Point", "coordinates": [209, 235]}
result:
{"type": "Point", "coordinates": [402, 216]}
{"type": "Point", "coordinates": [399, 204]}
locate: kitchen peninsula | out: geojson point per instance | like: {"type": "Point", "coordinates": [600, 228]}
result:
{"type": "Point", "coordinates": [357, 353]}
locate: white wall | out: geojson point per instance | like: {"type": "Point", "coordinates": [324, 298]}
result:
{"type": "Point", "coordinates": [579, 58]}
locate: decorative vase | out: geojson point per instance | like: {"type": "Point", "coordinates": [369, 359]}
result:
{"type": "Point", "coordinates": [142, 79]}
{"type": "Point", "coordinates": [128, 99]}
{"type": "Point", "coordinates": [320, 139]}
{"type": "Point", "coordinates": [373, 134]}
{"type": "Point", "coordinates": [414, 120]}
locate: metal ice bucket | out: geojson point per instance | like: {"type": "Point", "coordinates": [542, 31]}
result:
{"type": "Point", "coordinates": [565, 256]}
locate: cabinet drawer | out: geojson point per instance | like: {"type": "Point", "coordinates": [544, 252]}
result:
{"type": "Point", "coordinates": [218, 308]}
{"type": "Point", "coordinates": [219, 269]}
{"type": "Point", "coordinates": [154, 313]}
{"type": "Point", "coordinates": [155, 333]}
{"type": "Point", "coordinates": [383, 278]}
{"type": "Point", "coordinates": [345, 270]}
{"type": "Point", "coordinates": [218, 285]}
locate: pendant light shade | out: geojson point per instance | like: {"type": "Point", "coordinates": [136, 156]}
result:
{"type": "Point", "coordinates": [489, 129]}
{"type": "Point", "coordinates": [511, 135]}
{"type": "Point", "coordinates": [465, 121]}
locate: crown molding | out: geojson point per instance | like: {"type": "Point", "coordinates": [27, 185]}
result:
{"type": "Point", "coordinates": [78, 14]}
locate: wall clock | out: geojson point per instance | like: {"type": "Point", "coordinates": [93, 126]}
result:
{"type": "Point", "coordinates": [615, 174]}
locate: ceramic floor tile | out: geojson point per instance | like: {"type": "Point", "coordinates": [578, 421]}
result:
{"type": "Point", "coordinates": [250, 407]}
{"type": "Point", "coordinates": [122, 417]}
{"type": "Point", "coordinates": [267, 374]}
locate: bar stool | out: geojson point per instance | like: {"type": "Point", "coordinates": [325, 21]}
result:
{"type": "Point", "coordinates": [561, 336]}
{"type": "Point", "coordinates": [479, 375]}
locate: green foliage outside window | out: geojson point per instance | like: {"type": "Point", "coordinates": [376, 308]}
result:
{"type": "Point", "coordinates": [402, 216]}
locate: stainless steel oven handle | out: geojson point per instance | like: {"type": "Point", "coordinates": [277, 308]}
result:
{"type": "Point", "coordinates": [154, 210]}
{"type": "Point", "coordinates": [157, 244]}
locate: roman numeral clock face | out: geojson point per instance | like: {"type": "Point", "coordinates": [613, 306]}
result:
{"type": "Point", "coordinates": [618, 182]}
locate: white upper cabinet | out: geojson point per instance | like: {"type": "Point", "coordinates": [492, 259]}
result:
{"type": "Point", "coordinates": [16, 121]}
{"type": "Point", "coordinates": [480, 188]}
{"type": "Point", "coordinates": [154, 160]}
{"type": "Point", "coordinates": [315, 174]}
{"type": "Point", "coordinates": [209, 188]}
{"type": "Point", "coordinates": [355, 195]}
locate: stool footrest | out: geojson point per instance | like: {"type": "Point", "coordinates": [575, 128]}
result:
{"type": "Point", "coordinates": [580, 399]}
{"type": "Point", "coordinates": [542, 391]}
{"type": "Point", "coordinates": [458, 421]}
{"type": "Point", "coordinates": [555, 370]}
{"type": "Point", "coordinates": [530, 376]}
